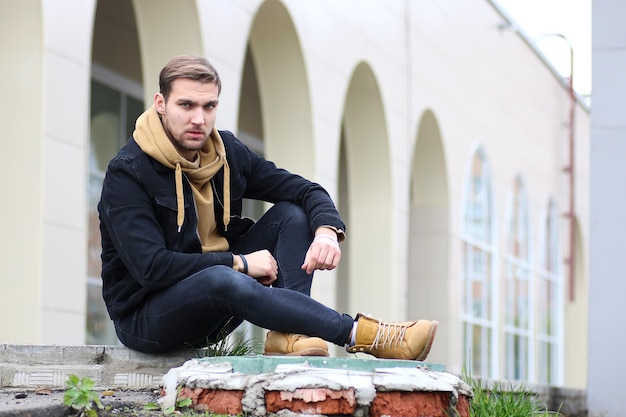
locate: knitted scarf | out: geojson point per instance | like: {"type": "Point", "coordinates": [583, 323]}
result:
{"type": "Point", "coordinates": [152, 139]}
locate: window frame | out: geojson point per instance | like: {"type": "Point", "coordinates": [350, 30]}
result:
{"type": "Point", "coordinates": [486, 324]}
{"type": "Point", "coordinates": [517, 257]}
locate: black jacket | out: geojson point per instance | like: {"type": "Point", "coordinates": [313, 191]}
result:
{"type": "Point", "coordinates": [142, 249]}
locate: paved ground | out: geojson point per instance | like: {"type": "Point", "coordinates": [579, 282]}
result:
{"type": "Point", "coordinates": [134, 378]}
{"type": "Point", "coordinates": [28, 403]}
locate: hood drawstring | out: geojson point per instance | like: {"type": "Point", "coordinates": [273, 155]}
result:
{"type": "Point", "coordinates": [226, 214]}
{"type": "Point", "coordinates": [180, 197]}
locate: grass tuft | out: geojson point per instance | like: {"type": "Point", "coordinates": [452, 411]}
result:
{"type": "Point", "coordinates": [500, 399]}
{"type": "Point", "coordinates": [228, 344]}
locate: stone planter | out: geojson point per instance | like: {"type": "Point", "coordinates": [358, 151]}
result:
{"type": "Point", "coordinates": [260, 385]}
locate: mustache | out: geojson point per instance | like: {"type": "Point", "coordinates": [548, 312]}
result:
{"type": "Point", "coordinates": [196, 130]}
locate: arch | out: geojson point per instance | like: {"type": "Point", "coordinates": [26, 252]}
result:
{"type": "Point", "coordinates": [283, 89]}
{"type": "Point", "coordinates": [116, 101]}
{"type": "Point", "coordinates": [368, 192]}
{"type": "Point", "coordinates": [429, 232]}
{"type": "Point", "coordinates": [115, 43]}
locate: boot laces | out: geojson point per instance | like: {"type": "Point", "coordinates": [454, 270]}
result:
{"type": "Point", "coordinates": [390, 335]}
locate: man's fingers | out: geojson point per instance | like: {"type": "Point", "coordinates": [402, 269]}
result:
{"type": "Point", "coordinates": [322, 255]}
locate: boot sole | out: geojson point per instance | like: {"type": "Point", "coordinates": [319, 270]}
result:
{"type": "Point", "coordinates": [429, 342]}
{"type": "Point", "coordinates": [304, 352]}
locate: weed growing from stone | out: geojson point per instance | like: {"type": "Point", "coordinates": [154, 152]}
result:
{"type": "Point", "coordinates": [81, 396]}
{"type": "Point", "coordinates": [229, 345]}
{"type": "Point", "coordinates": [239, 346]}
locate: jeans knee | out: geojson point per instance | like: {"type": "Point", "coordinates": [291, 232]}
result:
{"type": "Point", "coordinates": [292, 213]}
{"type": "Point", "coordinates": [220, 280]}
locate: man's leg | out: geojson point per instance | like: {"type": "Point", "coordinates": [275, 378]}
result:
{"type": "Point", "coordinates": [197, 308]}
{"type": "Point", "coordinates": [284, 230]}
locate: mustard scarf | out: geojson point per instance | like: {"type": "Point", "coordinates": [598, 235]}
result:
{"type": "Point", "coordinates": [152, 139]}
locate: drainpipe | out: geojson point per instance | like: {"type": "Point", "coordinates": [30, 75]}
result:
{"type": "Point", "coordinates": [570, 260]}
{"type": "Point", "coordinates": [571, 171]}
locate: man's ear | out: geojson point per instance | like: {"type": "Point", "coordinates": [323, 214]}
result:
{"type": "Point", "coordinates": [159, 103]}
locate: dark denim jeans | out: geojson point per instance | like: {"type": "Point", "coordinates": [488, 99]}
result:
{"type": "Point", "coordinates": [197, 309]}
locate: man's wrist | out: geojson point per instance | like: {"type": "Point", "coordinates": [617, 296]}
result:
{"type": "Point", "coordinates": [244, 262]}
{"type": "Point", "coordinates": [338, 233]}
{"type": "Point", "coordinates": [236, 263]}
{"type": "Point", "coordinates": [324, 236]}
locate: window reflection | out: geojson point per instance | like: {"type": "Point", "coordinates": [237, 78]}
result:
{"type": "Point", "coordinates": [477, 272]}
{"type": "Point", "coordinates": [517, 276]}
{"type": "Point", "coordinates": [113, 114]}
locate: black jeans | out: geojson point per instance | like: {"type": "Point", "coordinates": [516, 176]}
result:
{"type": "Point", "coordinates": [213, 302]}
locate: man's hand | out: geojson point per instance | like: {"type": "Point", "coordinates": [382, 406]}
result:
{"type": "Point", "coordinates": [262, 266]}
{"type": "Point", "coordinates": [324, 252]}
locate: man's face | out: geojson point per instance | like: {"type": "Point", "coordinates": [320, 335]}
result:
{"type": "Point", "coordinates": [188, 115]}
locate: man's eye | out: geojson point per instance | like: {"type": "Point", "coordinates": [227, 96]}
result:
{"type": "Point", "coordinates": [185, 104]}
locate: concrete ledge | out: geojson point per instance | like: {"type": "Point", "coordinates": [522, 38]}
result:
{"type": "Point", "coordinates": [30, 366]}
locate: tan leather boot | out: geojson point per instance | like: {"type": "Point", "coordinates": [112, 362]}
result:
{"type": "Point", "coordinates": [291, 344]}
{"type": "Point", "coordinates": [394, 340]}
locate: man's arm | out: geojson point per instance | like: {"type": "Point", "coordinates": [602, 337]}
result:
{"type": "Point", "coordinates": [267, 182]}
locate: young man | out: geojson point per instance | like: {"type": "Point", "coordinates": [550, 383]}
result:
{"type": "Point", "coordinates": [180, 266]}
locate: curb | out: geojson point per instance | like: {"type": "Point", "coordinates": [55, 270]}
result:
{"type": "Point", "coordinates": [32, 366]}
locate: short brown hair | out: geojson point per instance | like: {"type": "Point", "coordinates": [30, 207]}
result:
{"type": "Point", "coordinates": [187, 66]}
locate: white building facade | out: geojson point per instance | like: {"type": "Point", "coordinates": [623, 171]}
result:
{"type": "Point", "coordinates": [443, 136]}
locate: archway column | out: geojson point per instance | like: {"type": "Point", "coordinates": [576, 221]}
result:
{"type": "Point", "coordinates": [64, 145]}
{"type": "Point", "coordinates": [20, 255]}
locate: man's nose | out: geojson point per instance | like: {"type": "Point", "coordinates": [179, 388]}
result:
{"type": "Point", "coordinates": [197, 116]}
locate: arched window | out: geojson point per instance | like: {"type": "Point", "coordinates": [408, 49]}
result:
{"type": "Point", "coordinates": [549, 302]}
{"type": "Point", "coordinates": [517, 287]}
{"type": "Point", "coordinates": [478, 255]}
